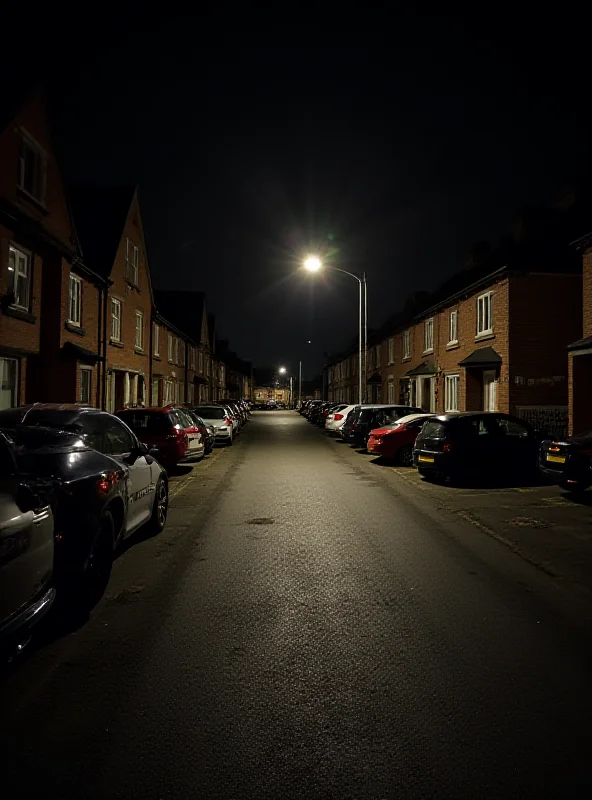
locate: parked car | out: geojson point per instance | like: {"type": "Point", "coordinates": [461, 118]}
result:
{"type": "Point", "coordinates": [364, 418]}
{"type": "Point", "coordinates": [394, 442]}
{"type": "Point", "coordinates": [26, 549]}
{"type": "Point", "coordinates": [567, 462]}
{"type": "Point", "coordinates": [109, 485]}
{"type": "Point", "coordinates": [217, 417]}
{"type": "Point", "coordinates": [233, 415]}
{"type": "Point", "coordinates": [336, 417]}
{"type": "Point", "coordinates": [236, 409]}
{"type": "Point", "coordinates": [208, 432]}
{"type": "Point", "coordinates": [196, 444]}
{"type": "Point", "coordinates": [457, 445]}
{"type": "Point", "coordinates": [161, 429]}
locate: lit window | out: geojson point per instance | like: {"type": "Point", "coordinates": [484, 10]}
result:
{"type": "Point", "coordinates": [406, 345]}
{"type": "Point", "coordinates": [451, 393]}
{"type": "Point", "coordinates": [85, 385]}
{"type": "Point", "coordinates": [32, 167]}
{"type": "Point", "coordinates": [19, 277]}
{"type": "Point", "coordinates": [156, 340]}
{"type": "Point", "coordinates": [484, 313]}
{"type": "Point", "coordinates": [139, 341]}
{"type": "Point", "coordinates": [428, 335]}
{"type": "Point", "coordinates": [75, 300]}
{"type": "Point", "coordinates": [115, 319]}
{"type": "Point", "coordinates": [453, 327]}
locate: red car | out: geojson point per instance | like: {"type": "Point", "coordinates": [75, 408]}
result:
{"type": "Point", "coordinates": [163, 429]}
{"type": "Point", "coordinates": [395, 441]}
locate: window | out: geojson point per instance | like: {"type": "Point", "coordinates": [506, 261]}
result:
{"type": "Point", "coordinates": [156, 340]}
{"type": "Point", "coordinates": [181, 353]}
{"type": "Point", "coordinates": [175, 350]}
{"type": "Point", "coordinates": [8, 382]}
{"type": "Point", "coordinates": [168, 392]}
{"type": "Point", "coordinates": [32, 161]}
{"type": "Point", "coordinates": [132, 262]}
{"type": "Point", "coordinates": [154, 392]}
{"type": "Point", "coordinates": [117, 439]}
{"type": "Point", "coordinates": [170, 348]}
{"type": "Point", "coordinates": [428, 335]}
{"type": "Point", "coordinates": [191, 357]}
{"type": "Point", "coordinates": [390, 397]}
{"type": "Point", "coordinates": [200, 362]}
{"type": "Point", "coordinates": [139, 341]}
{"type": "Point", "coordinates": [476, 426]}
{"type": "Point", "coordinates": [19, 277]}
{"type": "Point", "coordinates": [512, 427]}
{"type": "Point", "coordinates": [484, 315]}
{"type": "Point", "coordinates": [451, 393]}
{"type": "Point", "coordinates": [391, 351]}
{"type": "Point", "coordinates": [115, 319]}
{"type": "Point", "coordinates": [453, 327]}
{"type": "Point", "coordinates": [377, 356]}
{"type": "Point", "coordinates": [75, 302]}
{"type": "Point", "coordinates": [85, 385]}
{"type": "Point", "coordinates": [406, 345]}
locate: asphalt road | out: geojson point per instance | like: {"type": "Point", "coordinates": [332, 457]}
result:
{"type": "Point", "coordinates": [309, 626]}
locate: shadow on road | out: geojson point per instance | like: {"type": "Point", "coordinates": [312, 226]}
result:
{"type": "Point", "coordinates": [578, 498]}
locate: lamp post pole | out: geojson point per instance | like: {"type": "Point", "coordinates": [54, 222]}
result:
{"type": "Point", "coordinates": [299, 384]}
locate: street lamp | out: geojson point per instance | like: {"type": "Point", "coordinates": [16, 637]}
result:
{"type": "Point", "coordinates": [314, 264]}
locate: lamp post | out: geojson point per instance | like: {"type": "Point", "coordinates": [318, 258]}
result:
{"type": "Point", "coordinates": [314, 264]}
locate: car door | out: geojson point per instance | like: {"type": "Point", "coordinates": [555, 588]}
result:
{"type": "Point", "coordinates": [26, 541]}
{"type": "Point", "coordinates": [477, 450]}
{"type": "Point", "coordinates": [517, 444]}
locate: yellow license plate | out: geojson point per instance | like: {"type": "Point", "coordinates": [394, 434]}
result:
{"type": "Point", "coordinates": [426, 459]}
{"type": "Point", "coordinates": [556, 459]}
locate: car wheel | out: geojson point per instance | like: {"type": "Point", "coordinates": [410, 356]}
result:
{"type": "Point", "coordinates": [160, 508]}
{"type": "Point", "coordinates": [405, 455]}
{"type": "Point", "coordinates": [90, 584]}
{"type": "Point", "coordinates": [576, 487]}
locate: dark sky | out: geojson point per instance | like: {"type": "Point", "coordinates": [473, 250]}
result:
{"type": "Point", "coordinates": [402, 148]}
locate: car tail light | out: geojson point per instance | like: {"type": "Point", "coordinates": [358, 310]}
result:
{"type": "Point", "coordinates": [106, 482]}
{"type": "Point", "coordinates": [447, 447]}
{"type": "Point", "coordinates": [338, 417]}
{"type": "Point", "coordinates": [228, 421]}
{"type": "Point", "coordinates": [553, 448]}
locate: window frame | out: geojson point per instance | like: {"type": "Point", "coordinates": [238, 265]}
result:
{"type": "Point", "coordinates": [86, 371]}
{"type": "Point", "coordinates": [77, 281]}
{"type": "Point", "coordinates": [14, 389]}
{"type": "Point", "coordinates": [116, 303]}
{"type": "Point", "coordinates": [406, 337]}
{"type": "Point", "coordinates": [377, 356]}
{"type": "Point", "coordinates": [140, 330]}
{"type": "Point", "coordinates": [132, 262]}
{"type": "Point", "coordinates": [481, 300]}
{"type": "Point", "coordinates": [451, 381]}
{"type": "Point", "coordinates": [391, 350]}
{"type": "Point", "coordinates": [27, 142]}
{"type": "Point", "coordinates": [156, 340]}
{"type": "Point", "coordinates": [428, 340]}
{"type": "Point", "coordinates": [22, 251]}
{"type": "Point", "coordinates": [170, 350]}
{"type": "Point", "coordinates": [192, 357]}
{"type": "Point", "coordinates": [453, 315]}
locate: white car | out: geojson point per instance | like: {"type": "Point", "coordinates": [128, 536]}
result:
{"type": "Point", "coordinates": [219, 418]}
{"type": "Point", "coordinates": [336, 417]}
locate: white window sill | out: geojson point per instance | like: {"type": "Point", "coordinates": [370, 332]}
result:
{"type": "Point", "coordinates": [480, 337]}
{"type": "Point", "coordinates": [428, 352]}
{"type": "Point", "coordinates": [452, 345]}
{"type": "Point", "coordinates": [406, 358]}
{"type": "Point", "coordinates": [390, 363]}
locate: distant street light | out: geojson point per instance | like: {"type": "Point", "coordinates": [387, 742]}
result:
{"type": "Point", "coordinates": [282, 370]}
{"type": "Point", "coordinates": [314, 264]}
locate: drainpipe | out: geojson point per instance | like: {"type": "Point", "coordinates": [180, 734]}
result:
{"type": "Point", "coordinates": [105, 305]}
{"type": "Point", "coordinates": [100, 365]}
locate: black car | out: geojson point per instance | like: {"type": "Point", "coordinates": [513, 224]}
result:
{"type": "Point", "coordinates": [26, 549]}
{"type": "Point", "coordinates": [567, 462]}
{"type": "Point", "coordinates": [109, 484]}
{"type": "Point", "coordinates": [462, 444]}
{"type": "Point", "coordinates": [364, 418]}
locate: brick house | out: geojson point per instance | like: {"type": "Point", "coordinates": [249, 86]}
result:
{"type": "Point", "coordinates": [580, 351]}
{"type": "Point", "coordinates": [109, 227]}
{"type": "Point", "coordinates": [37, 251]}
{"type": "Point", "coordinates": [187, 310]}
{"type": "Point", "coordinates": [170, 350]}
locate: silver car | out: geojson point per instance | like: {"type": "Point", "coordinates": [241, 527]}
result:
{"type": "Point", "coordinates": [26, 549]}
{"type": "Point", "coordinates": [221, 421]}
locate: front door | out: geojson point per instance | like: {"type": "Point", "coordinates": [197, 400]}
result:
{"type": "Point", "coordinates": [119, 391]}
{"type": "Point", "coordinates": [489, 390]}
{"type": "Point", "coordinates": [427, 392]}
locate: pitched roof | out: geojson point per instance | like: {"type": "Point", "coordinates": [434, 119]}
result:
{"type": "Point", "coordinates": [100, 213]}
{"type": "Point", "coordinates": [183, 309]}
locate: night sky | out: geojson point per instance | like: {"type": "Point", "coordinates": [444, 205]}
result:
{"type": "Point", "coordinates": [394, 151]}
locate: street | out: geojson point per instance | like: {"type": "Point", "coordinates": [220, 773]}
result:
{"type": "Point", "coordinates": [310, 625]}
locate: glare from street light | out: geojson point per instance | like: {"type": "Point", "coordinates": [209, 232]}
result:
{"type": "Point", "coordinates": [282, 370]}
{"type": "Point", "coordinates": [313, 264]}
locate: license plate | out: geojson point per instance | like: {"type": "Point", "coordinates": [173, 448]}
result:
{"type": "Point", "coordinates": [426, 459]}
{"type": "Point", "coordinates": [556, 459]}
{"type": "Point", "coordinates": [193, 444]}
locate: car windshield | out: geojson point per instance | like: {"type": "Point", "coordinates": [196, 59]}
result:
{"type": "Point", "coordinates": [434, 430]}
{"type": "Point", "coordinates": [186, 418]}
{"type": "Point", "coordinates": [151, 423]}
{"type": "Point", "coordinates": [211, 412]}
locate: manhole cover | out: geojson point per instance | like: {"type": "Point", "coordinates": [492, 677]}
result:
{"type": "Point", "coordinates": [528, 522]}
{"type": "Point", "coordinates": [261, 521]}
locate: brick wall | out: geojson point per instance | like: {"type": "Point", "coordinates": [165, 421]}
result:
{"type": "Point", "coordinates": [545, 316]}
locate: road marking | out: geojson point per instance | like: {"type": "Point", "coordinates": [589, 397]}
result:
{"type": "Point", "coordinates": [195, 473]}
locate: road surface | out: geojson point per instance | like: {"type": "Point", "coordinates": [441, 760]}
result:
{"type": "Point", "coordinates": [309, 626]}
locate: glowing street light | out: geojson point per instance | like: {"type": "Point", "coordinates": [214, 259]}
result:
{"type": "Point", "coordinates": [282, 370]}
{"type": "Point", "coordinates": [313, 263]}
